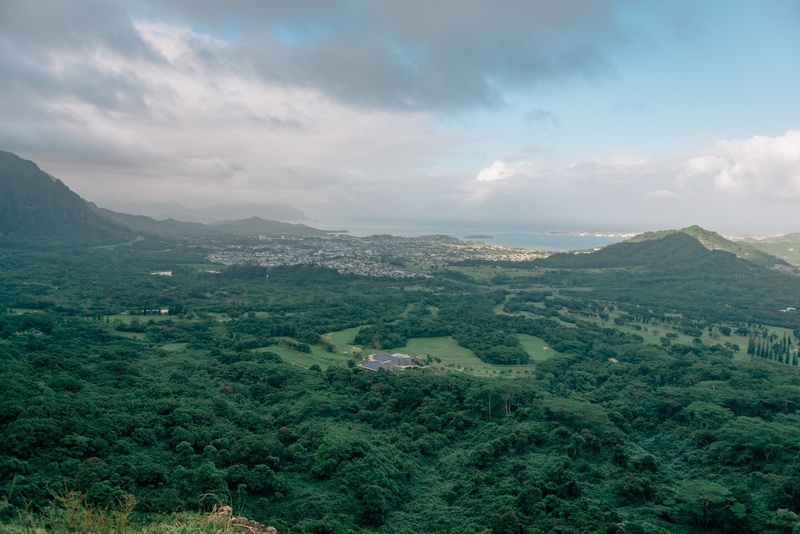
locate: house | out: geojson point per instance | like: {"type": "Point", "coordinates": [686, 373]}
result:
{"type": "Point", "coordinates": [372, 366]}
{"type": "Point", "coordinates": [388, 362]}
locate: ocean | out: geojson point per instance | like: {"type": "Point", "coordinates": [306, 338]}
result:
{"type": "Point", "coordinates": [517, 235]}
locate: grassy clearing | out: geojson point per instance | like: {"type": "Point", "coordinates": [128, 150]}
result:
{"type": "Point", "coordinates": [445, 348]}
{"type": "Point", "coordinates": [343, 339]}
{"type": "Point", "coordinates": [536, 347]}
{"type": "Point", "coordinates": [318, 356]}
{"type": "Point", "coordinates": [651, 333]}
{"type": "Point", "coordinates": [499, 311]}
{"type": "Point", "coordinates": [144, 319]}
{"type": "Point", "coordinates": [454, 357]}
{"type": "Point", "coordinates": [20, 311]}
{"type": "Point", "coordinates": [419, 267]}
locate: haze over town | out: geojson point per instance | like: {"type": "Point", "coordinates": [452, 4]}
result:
{"type": "Point", "coordinates": [582, 114]}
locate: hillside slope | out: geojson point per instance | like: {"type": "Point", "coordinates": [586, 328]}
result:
{"type": "Point", "coordinates": [677, 272]}
{"type": "Point", "coordinates": [674, 251]}
{"type": "Point", "coordinates": [257, 225]}
{"type": "Point", "coordinates": [143, 223]}
{"type": "Point", "coordinates": [33, 203]}
{"type": "Point", "coordinates": [785, 247]}
{"type": "Point", "coordinates": [714, 241]}
{"type": "Point", "coordinates": [253, 226]}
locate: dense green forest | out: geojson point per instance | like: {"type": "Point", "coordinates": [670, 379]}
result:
{"type": "Point", "coordinates": [218, 402]}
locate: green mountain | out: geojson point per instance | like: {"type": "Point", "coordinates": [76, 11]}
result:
{"type": "Point", "coordinates": [714, 241]}
{"type": "Point", "coordinates": [259, 226]}
{"type": "Point", "coordinates": [143, 223]}
{"type": "Point", "coordinates": [34, 203]}
{"type": "Point", "coordinates": [676, 272]}
{"type": "Point", "coordinates": [252, 226]}
{"type": "Point", "coordinates": [785, 247]}
{"type": "Point", "coordinates": [672, 251]}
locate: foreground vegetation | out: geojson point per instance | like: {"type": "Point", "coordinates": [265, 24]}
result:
{"type": "Point", "coordinates": [545, 409]}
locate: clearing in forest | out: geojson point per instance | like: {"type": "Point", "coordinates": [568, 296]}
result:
{"type": "Point", "coordinates": [536, 347]}
{"type": "Point", "coordinates": [453, 356]}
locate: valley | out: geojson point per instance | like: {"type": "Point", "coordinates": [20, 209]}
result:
{"type": "Point", "coordinates": [602, 391]}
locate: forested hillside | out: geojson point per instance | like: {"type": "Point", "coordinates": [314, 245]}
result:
{"type": "Point", "coordinates": [713, 241]}
{"type": "Point", "coordinates": [34, 204]}
{"type": "Point", "coordinates": [247, 392]}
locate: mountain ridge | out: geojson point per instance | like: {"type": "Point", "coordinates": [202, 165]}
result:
{"type": "Point", "coordinates": [713, 241]}
{"type": "Point", "coordinates": [35, 203]}
{"type": "Point", "coordinates": [257, 225]}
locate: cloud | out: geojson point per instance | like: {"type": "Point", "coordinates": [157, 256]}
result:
{"type": "Point", "coordinates": [338, 106]}
{"type": "Point", "coordinates": [305, 102]}
{"type": "Point", "coordinates": [760, 165]}
{"type": "Point", "coordinates": [501, 170]}
{"type": "Point", "coordinates": [713, 187]}
{"type": "Point", "coordinates": [497, 177]}
{"type": "Point", "coordinates": [542, 117]}
{"type": "Point", "coordinates": [661, 193]}
{"type": "Point", "coordinates": [179, 118]}
{"type": "Point", "coordinates": [416, 54]}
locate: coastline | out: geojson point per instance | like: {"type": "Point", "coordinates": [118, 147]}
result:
{"type": "Point", "coordinates": [506, 235]}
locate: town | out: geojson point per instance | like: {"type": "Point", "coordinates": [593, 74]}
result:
{"type": "Point", "coordinates": [378, 255]}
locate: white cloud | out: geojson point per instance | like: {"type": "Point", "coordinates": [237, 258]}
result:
{"type": "Point", "coordinates": [760, 168]}
{"type": "Point", "coordinates": [763, 165]}
{"type": "Point", "coordinates": [499, 176]}
{"type": "Point", "coordinates": [208, 129]}
{"type": "Point", "coordinates": [501, 170]}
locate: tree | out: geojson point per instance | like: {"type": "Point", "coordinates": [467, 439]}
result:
{"type": "Point", "coordinates": [707, 503]}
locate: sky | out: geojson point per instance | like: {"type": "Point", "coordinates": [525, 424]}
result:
{"type": "Point", "coordinates": [577, 114]}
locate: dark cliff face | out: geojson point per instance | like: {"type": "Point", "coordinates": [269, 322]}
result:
{"type": "Point", "coordinates": [33, 202]}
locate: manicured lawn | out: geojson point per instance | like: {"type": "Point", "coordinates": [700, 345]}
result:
{"type": "Point", "coordinates": [455, 357]}
{"type": "Point", "coordinates": [536, 347]}
{"type": "Point", "coordinates": [654, 333]}
{"type": "Point", "coordinates": [445, 348]}
{"type": "Point", "coordinates": [343, 339]}
{"type": "Point", "coordinates": [318, 356]}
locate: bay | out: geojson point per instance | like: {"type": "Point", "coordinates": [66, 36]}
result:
{"type": "Point", "coordinates": [516, 235]}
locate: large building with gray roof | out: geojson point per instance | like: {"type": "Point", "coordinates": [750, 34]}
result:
{"type": "Point", "coordinates": [388, 362]}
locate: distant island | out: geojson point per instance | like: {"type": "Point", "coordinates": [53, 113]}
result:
{"type": "Point", "coordinates": [478, 236]}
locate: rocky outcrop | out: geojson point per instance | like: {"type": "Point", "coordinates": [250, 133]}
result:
{"type": "Point", "coordinates": [249, 526]}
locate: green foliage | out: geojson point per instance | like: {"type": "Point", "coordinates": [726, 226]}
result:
{"type": "Point", "coordinates": [609, 435]}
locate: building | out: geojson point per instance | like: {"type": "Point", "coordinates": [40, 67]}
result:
{"type": "Point", "coordinates": [373, 366]}
{"type": "Point", "coordinates": [388, 362]}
